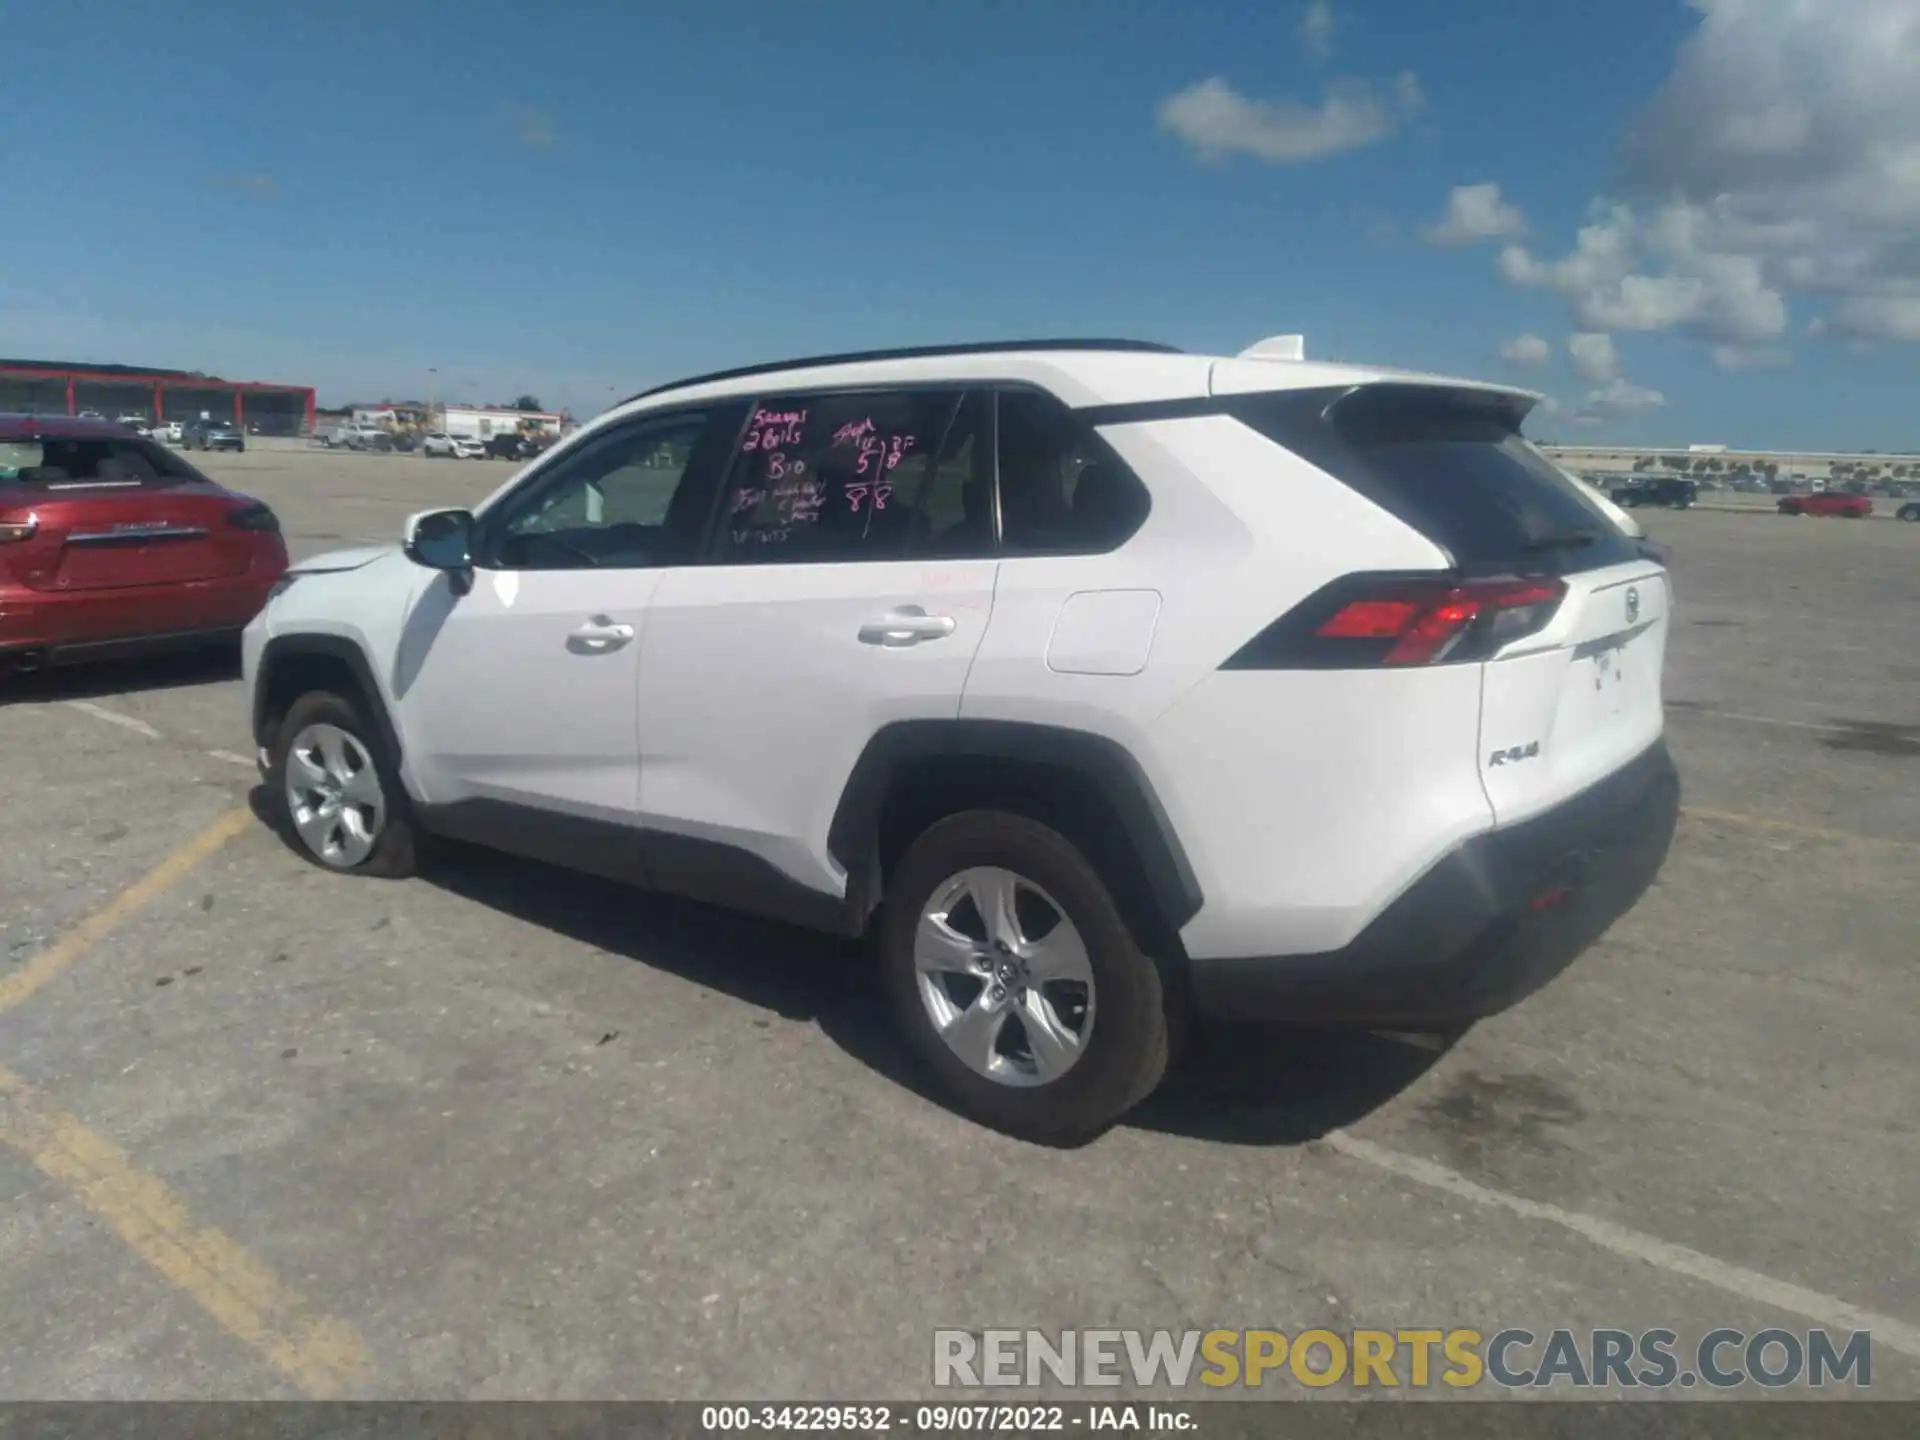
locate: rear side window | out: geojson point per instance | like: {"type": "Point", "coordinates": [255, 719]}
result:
{"type": "Point", "coordinates": [56, 463]}
{"type": "Point", "coordinates": [826, 478]}
{"type": "Point", "coordinates": [1454, 466]}
{"type": "Point", "coordinates": [1063, 491]}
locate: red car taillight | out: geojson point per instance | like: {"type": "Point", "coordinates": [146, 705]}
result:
{"type": "Point", "coordinates": [253, 517]}
{"type": "Point", "coordinates": [1368, 621]}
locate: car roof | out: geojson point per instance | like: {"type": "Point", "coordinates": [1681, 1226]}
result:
{"type": "Point", "coordinates": [1084, 373]}
{"type": "Point", "coordinates": [58, 427]}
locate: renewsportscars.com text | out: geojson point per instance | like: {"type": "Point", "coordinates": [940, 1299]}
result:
{"type": "Point", "coordinates": [1516, 1359]}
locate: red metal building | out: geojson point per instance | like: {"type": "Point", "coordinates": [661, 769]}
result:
{"type": "Point", "coordinates": [52, 387]}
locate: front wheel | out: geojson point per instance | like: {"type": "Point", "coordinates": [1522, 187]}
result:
{"type": "Point", "coordinates": [336, 793]}
{"type": "Point", "coordinates": [1017, 982]}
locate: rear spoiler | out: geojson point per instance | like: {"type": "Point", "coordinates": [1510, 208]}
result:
{"type": "Point", "coordinates": [1441, 405]}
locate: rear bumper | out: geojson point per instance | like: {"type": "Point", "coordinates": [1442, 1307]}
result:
{"type": "Point", "coordinates": [56, 627]}
{"type": "Point", "coordinates": [1492, 922]}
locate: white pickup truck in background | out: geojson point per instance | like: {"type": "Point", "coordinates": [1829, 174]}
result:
{"type": "Point", "coordinates": [355, 436]}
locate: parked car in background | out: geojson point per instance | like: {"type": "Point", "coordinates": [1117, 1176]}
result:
{"type": "Point", "coordinates": [212, 435]}
{"type": "Point", "coordinates": [136, 423]}
{"type": "Point", "coordinates": [1827, 502]}
{"type": "Point", "coordinates": [110, 544]}
{"type": "Point", "coordinates": [356, 436]}
{"type": "Point", "coordinates": [1909, 511]}
{"type": "Point", "coordinates": [1674, 493]}
{"type": "Point", "coordinates": [440, 445]}
{"type": "Point", "coordinates": [512, 447]}
{"type": "Point", "coordinates": [169, 432]}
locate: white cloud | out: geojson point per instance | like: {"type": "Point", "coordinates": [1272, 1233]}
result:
{"type": "Point", "coordinates": [1751, 357]}
{"type": "Point", "coordinates": [1618, 397]}
{"type": "Point", "coordinates": [1525, 350]}
{"type": "Point", "coordinates": [1476, 213]}
{"type": "Point", "coordinates": [1217, 122]}
{"type": "Point", "coordinates": [1877, 317]}
{"type": "Point", "coordinates": [1780, 158]}
{"type": "Point", "coordinates": [1708, 293]}
{"type": "Point", "coordinates": [1593, 356]}
{"type": "Point", "coordinates": [1316, 29]}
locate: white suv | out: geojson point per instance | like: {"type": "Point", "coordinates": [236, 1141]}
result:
{"type": "Point", "coordinates": [453, 447]}
{"type": "Point", "coordinates": [1103, 684]}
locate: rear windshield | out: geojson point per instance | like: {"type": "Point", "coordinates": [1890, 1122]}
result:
{"type": "Point", "coordinates": [56, 463]}
{"type": "Point", "coordinates": [1454, 466]}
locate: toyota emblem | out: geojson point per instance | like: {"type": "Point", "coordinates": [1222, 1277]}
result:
{"type": "Point", "coordinates": [1633, 603]}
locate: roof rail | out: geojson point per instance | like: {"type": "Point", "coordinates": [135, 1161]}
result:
{"type": "Point", "coordinates": [916, 352]}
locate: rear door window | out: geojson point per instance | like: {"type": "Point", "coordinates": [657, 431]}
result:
{"type": "Point", "coordinates": [831, 478]}
{"type": "Point", "coordinates": [1454, 466]}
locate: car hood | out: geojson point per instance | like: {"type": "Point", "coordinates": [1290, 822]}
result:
{"type": "Point", "coordinates": [351, 558]}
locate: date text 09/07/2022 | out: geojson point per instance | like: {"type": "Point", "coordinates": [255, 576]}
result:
{"type": "Point", "coordinates": [944, 1419]}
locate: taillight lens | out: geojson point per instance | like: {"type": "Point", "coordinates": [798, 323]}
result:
{"type": "Point", "coordinates": [253, 517]}
{"type": "Point", "coordinates": [1369, 621]}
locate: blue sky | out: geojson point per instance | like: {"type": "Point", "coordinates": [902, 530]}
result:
{"type": "Point", "coordinates": [579, 201]}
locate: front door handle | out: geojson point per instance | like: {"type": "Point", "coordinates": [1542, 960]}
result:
{"type": "Point", "coordinates": [908, 625]}
{"type": "Point", "coordinates": [598, 636]}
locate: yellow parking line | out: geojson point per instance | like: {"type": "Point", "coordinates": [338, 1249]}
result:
{"type": "Point", "coordinates": [1794, 827]}
{"type": "Point", "coordinates": [321, 1355]}
{"type": "Point", "coordinates": [129, 902]}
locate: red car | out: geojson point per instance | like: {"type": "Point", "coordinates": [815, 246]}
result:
{"type": "Point", "coordinates": [1827, 502]}
{"type": "Point", "coordinates": [111, 544]}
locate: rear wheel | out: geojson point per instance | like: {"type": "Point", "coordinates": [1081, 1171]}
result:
{"type": "Point", "coordinates": [1017, 982]}
{"type": "Point", "coordinates": [336, 792]}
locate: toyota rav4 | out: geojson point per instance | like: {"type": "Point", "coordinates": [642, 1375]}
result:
{"type": "Point", "coordinates": [1102, 685]}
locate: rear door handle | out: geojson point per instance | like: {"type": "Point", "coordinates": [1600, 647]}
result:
{"type": "Point", "coordinates": [907, 625]}
{"type": "Point", "coordinates": [598, 636]}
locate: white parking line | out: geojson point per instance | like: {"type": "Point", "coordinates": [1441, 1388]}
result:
{"type": "Point", "coordinates": [1828, 1310]}
{"type": "Point", "coordinates": [114, 717]}
{"type": "Point", "coordinates": [1745, 719]}
{"type": "Point", "coordinates": [141, 727]}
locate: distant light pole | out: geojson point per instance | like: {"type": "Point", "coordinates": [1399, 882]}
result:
{"type": "Point", "coordinates": [431, 372]}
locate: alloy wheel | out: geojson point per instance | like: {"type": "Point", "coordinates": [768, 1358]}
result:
{"type": "Point", "coordinates": [1004, 977]}
{"type": "Point", "coordinates": [334, 797]}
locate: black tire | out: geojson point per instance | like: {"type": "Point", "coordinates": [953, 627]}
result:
{"type": "Point", "coordinates": [396, 849]}
{"type": "Point", "coordinates": [1910, 512]}
{"type": "Point", "coordinates": [1129, 1048]}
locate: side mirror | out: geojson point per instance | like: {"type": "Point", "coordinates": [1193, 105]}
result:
{"type": "Point", "coordinates": [440, 540]}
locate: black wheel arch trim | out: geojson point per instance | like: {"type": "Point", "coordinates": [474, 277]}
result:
{"type": "Point", "coordinates": [853, 835]}
{"type": "Point", "coordinates": [283, 648]}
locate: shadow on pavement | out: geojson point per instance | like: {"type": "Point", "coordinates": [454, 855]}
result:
{"type": "Point", "coordinates": [1237, 1085]}
{"type": "Point", "coordinates": [103, 679]}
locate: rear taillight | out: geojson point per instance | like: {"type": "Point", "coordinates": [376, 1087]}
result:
{"type": "Point", "coordinates": [12, 530]}
{"type": "Point", "coordinates": [253, 517]}
{"type": "Point", "coordinates": [1367, 621]}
